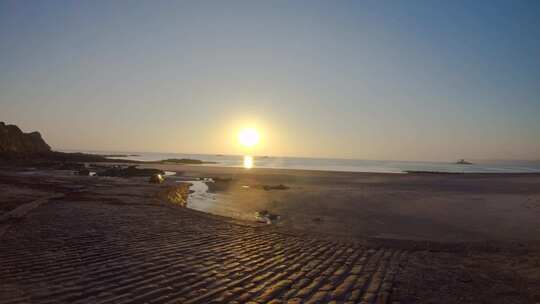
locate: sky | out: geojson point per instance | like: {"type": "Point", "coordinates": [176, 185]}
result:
{"type": "Point", "coordinates": [397, 80]}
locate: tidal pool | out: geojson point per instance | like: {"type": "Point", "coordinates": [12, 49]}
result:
{"type": "Point", "coordinates": [215, 203]}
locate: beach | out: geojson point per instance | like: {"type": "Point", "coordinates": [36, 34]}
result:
{"type": "Point", "coordinates": [441, 207]}
{"type": "Point", "coordinates": [344, 237]}
{"type": "Point", "coordinates": [269, 152]}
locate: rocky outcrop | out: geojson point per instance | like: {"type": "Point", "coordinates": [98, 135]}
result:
{"type": "Point", "coordinates": [13, 141]}
{"type": "Point", "coordinates": [177, 194]}
{"type": "Point", "coordinates": [156, 179]}
{"type": "Point", "coordinates": [131, 171]}
{"type": "Point", "coordinates": [15, 145]}
{"type": "Point", "coordinates": [186, 161]}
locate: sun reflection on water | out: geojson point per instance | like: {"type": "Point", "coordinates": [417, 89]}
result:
{"type": "Point", "coordinates": [248, 161]}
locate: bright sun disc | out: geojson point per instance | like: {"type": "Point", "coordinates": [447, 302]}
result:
{"type": "Point", "coordinates": [248, 137]}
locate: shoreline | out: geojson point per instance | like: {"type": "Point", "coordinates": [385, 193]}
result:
{"type": "Point", "coordinates": [193, 257]}
{"type": "Point", "coordinates": [372, 241]}
{"type": "Point", "coordinates": [337, 170]}
{"type": "Point", "coordinates": [123, 224]}
{"type": "Point", "coordinates": [472, 207]}
{"type": "Point", "coordinates": [449, 207]}
{"type": "Point", "coordinates": [332, 164]}
{"type": "Point", "coordinates": [258, 171]}
{"type": "Point", "coordinates": [63, 159]}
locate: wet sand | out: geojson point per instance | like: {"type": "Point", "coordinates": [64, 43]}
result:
{"type": "Point", "coordinates": [436, 207]}
{"type": "Point", "coordinates": [76, 239]}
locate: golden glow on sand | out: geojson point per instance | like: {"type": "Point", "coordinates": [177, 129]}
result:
{"type": "Point", "coordinates": [248, 137]}
{"type": "Point", "coordinates": [248, 161]}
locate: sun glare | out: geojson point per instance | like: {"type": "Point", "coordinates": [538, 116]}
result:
{"type": "Point", "coordinates": [248, 137]}
{"type": "Point", "coordinates": [248, 161]}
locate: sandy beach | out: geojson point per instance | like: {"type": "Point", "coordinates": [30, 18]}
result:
{"type": "Point", "coordinates": [435, 207]}
{"type": "Point", "coordinates": [269, 152]}
{"type": "Point", "coordinates": [343, 237]}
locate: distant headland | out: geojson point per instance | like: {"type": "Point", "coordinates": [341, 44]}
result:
{"type": "Point", "coordinates": [31, 147]}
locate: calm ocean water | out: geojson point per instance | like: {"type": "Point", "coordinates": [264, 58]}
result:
{"type": "Point", "coordinates": [349, 165]}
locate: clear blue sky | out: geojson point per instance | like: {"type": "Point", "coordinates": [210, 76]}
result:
{"type": "Point", "coordinates": [407, 80]}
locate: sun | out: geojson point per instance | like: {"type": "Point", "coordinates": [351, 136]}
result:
{"type": "Point", "coordinates": [248, 137]}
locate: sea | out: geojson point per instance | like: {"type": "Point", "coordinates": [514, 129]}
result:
{"type": "Point", "coordinates": [334, 164]}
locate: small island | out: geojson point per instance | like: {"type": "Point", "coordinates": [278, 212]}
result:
{"type": "Point", "coordinates": [120, 155]}
{"type": "Point", "coordinates": [187, 161]}
{"type": "Point", "coordinates": [463, 162]}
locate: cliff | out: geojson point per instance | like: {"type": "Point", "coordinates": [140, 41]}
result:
{"type": "Point", "coordinates": [13, 141]}
{"type": "Point", "coordinates": [22, 148]}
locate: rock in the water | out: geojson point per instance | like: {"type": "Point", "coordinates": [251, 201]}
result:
{"type": "Point", "coordinates": [15, 142]}
{"type": "Point", "coordinates": [271, 187]}
{"type": "Point", "coordinates": [276, 187]}
{"type": "Point", "coordinates": [187, 161]}
{"type": "Point", "coordinates": [264, 216]}
{"type": "Point", "coordinates": [156, 179]}
{"type": "Point", "coordinates": [131, 171]}
{"type": "Point", "coordinates": [177, 194]}
{"type": "Point", "coordinates": [71, 166]}
{"type": "Point", "coordinates": [83, 172]}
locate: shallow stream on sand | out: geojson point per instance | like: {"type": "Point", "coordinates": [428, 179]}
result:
{"type": "Point", "coordinates": [215, 203]}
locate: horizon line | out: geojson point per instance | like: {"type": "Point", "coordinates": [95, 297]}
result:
{"type": "Point", "coordinates": [294, 156]}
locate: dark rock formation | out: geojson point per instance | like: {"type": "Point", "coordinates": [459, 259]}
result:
{"type": "Point", "coordinates": [15, 145]}
{"type": "Point", "coordinates": [15, 142]}
{"type": "Point", "coordinates": [264, 216]}
{"type": "Point", "coordinates": [119, 155]}
{"type": "Point", "coordinates": [74, 157]}
{"type": "Point", "coordinates": [83, 172]}
{"type": "Point", "coordinates": [131, 171]}
{"type": "Point", "coordinates": [270, 187]}
{"type": "Point", "coordinates": [186, 161]}
{"type": "Point", "coordinates": [177, 194]}
{"type": "Point", "coordinates": [156, 179]}
{"type": "Point", "coordinates": [29, 149]}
